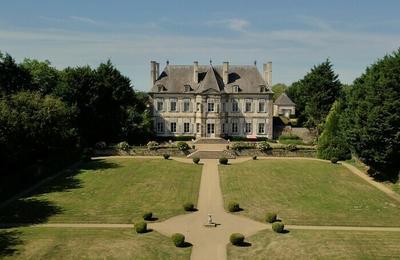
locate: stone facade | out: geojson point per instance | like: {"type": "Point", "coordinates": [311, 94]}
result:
{"type": "Point", "coordinates": [212, 101]}
{"type": "Point", "coordinates": [284, 106]}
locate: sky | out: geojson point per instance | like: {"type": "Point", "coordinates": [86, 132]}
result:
{"type": "Point", "coordinates": [295, 35]}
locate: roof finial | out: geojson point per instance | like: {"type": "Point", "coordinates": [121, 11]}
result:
{"type": "Point", "coordinates": [210, 62]}
{"type": "Point", "coordinates": [167, 62]}
{"type": "Point", "coordinates": [255, 63]}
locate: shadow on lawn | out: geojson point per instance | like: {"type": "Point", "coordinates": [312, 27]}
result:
{"type": "Point", "coordinates": [8, 241]}
{"type": "Point", "coordinates": [30, 210]}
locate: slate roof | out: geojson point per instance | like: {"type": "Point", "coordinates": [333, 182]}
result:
{"type": "Point", "coordinates": [174, 78]}
{"type": "Point", "coordinates": [284, 100]}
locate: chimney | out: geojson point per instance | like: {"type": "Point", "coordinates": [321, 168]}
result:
{"type": "Point", "coordinates": [225, 72]}
{"type": "Point", "coordinates": [268, 73]}
{"type": "Point", "coordinates": [153, 72]}
{"type": "Point", "coordinates": [196, 72]}
{"type": "Point", "coordinates": [157, 71]}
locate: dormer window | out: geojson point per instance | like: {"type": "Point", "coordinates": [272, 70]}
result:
{"type": "Point", "coordinates": [263, 89]}
{"type": "Point", "coordinates": [160, 88]}
{"type": "Point", "coordinates": [235, 89]}
{"type": "Point", "coordinates": [187, 88]}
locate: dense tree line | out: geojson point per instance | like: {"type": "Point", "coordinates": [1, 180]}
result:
{"type": "Point", "coordinates": [48, 116]}
{"type": "Point", "coordinates": [362, 119]}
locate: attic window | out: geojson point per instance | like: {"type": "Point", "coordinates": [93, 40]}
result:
{"type": "Point", "coordinates": [236, 89]}
{"type": "Point", "coordinates": [160, 88]}
{"type": "Point", "coordinates": [187, 88]}
{"type": "Point", "coordinates": [263, 89]}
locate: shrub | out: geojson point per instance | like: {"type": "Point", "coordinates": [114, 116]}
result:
{"type": "Point", "coordinates": [254, 157]}
{"type": "Point", "coordinates": [153, 145]}
{"type": "Point", "coordinates": [148, 215]}
{"type": "Point", "coordinates": [100, 145]}
{"type": "Point", "coordinates": [291, 147]}
{"type": "Point", "coordinates": [184, 138]}
{"type": "Point", "coordinates": [236, 239]}
{"type": "Point", "coordinates": [188, 206]}
{"type": "Point", "coordinates": [87, 154]}
{"type": "Point", "coordinates": [178, 239]}
{"type": "Point", "coordinates": [193, 147]}
{"type": "Point", "coordinates": [228, 147]}
{"type": "Point", "coordinates": [233, 206]}
{"type": "Point", "coordinates": [124, 146]}
{"type": "Point", "coordinates": [166, 156]}
{"type": "Point", "coordinates": [196, 160]}
{"type": "Point", "coordinates": [182, 146]}
{"type": "Point", "coordinates": [223, 160]}
{"type": "Point", "coordinates": [271, 217]}
{"type": "Point", "coordinates": [278, 227]}
{"type": "Point", "coordinates": [263, 146]}
{"type": "Point", "coordinates": [141, 227]}
{"type": "Point", "coordinates": [289, 137]}
{"type": "Point", "coordinates": [334, 160]}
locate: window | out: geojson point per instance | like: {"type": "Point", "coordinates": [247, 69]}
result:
{"type": "Point", "coordinates": [261, 127]}
{"type": "Point", "coordinates": [186, 127]}
{"type": "Point", "coordinates": [234, 127]}
{"type": "Point", "coordinates": [262, 88]}
{"type": "Point", "coordinates": [198, 107]}
{"type": "Point", "coordinates": [186, 105]}
{"type": "Point", "coordinates": [235, 88]}
{"type": "Point", "coordinates": [173, 127]}
{"type": "Point", "coordinates": [160, 105]}
{"type": "Point", "coordinates": [223, 107]}
{"type": "Point", "coordinates": [261, 106]}
{"type": "Point", "coordinates": [160, 127]}
{"type": "Point", "coordinates": [187, 88]}
{"type": "Point", "coordinates": [248, 106]}
{"type": "Point", "coordinates": [198, 127]}
{"type": "Point", "coordinates": [235, 106]}
{"type": "Point", "coordinates": [173, 105]}
{"type": "Point", "coordinates": [210, 107]}
{"type": "Point", "coordinates": [248, 128]}
{"type": "Point", "coordinates": [223, 128]}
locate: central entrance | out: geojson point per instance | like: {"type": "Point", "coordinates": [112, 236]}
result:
{"type": "Point", "coordinates": [210, 130]}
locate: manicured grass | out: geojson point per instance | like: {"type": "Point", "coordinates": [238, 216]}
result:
{"type": "Point", "coordinates": [307, 192]}
{"type": "Point", "coordinates": [90, 243]}
{"type": "Point", "coordinates": [113, 190]}
{"type": "Point", "coordinates": [311, 244]}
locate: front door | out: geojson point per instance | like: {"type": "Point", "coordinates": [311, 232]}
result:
{"type": "Point", "coordinates": [210, 130]}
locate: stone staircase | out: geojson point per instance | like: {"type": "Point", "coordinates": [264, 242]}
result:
{"type": "Point", "coordinates": [211, 141]}
{"type": "Point", "coordinates": [212, 154]}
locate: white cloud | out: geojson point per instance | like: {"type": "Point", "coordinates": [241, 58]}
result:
{"type": "Point", "coordinates": [85, 20]}
{"type": "Point", "coordinates": [232, 24]}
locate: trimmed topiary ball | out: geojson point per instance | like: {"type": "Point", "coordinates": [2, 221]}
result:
{"type": "Point", "coordinates": [236, 239]}
{"type": "Point", "coordinates": [334, 160]}
{"type": "Point", "coordinates": [254, 157]}
{"type": "Point", "coordinates": [196, 160]}
{"type": "Point", "coordinates": [233, 206]}
{"type": "Point", "coordinates": [278, 227]}
{"type": "Point", "coordinates": [148, 215]}
{"type": "Point", "coordinates": [188, 206]}
{"type": "Point", "coordinates": [223, 160]}
{"type": "Point", "coordinates": [178, 239]}
{"type": "Point", "coordinates": [271, 217]}
{"type": "Point", "coordinates": [166, 156]}
{"type": "Point", "coordinates": [141, 227]}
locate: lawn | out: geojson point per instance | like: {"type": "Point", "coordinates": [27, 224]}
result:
{"type": "Point", "coordinates": [307, 192]}
{"type": "Point", "coordinates": [312, 244]}
{"type": "Point", "coordinates": [87, 243]}
{"type": "Point", "coordinates": [113, 190]}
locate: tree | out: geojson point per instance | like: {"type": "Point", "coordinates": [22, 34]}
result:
{"type": "Point", "coordinates": [373, 117]}
{"type": "Point", "coordinates": [278, 89]}
{"type": "Point", "coordinates": [44, 77]}
{"type": "Point", "coordinates": [33, 127]}
{"type": "Point", "coordinates": [315, 94]}
{"type": "Point", "coordinates": [13, 77]}
{"type": "Point", "coordinates": [332, 143]}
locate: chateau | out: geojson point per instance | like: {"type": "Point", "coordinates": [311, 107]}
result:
{"type": "Point", "coordinates": [212, 101]}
